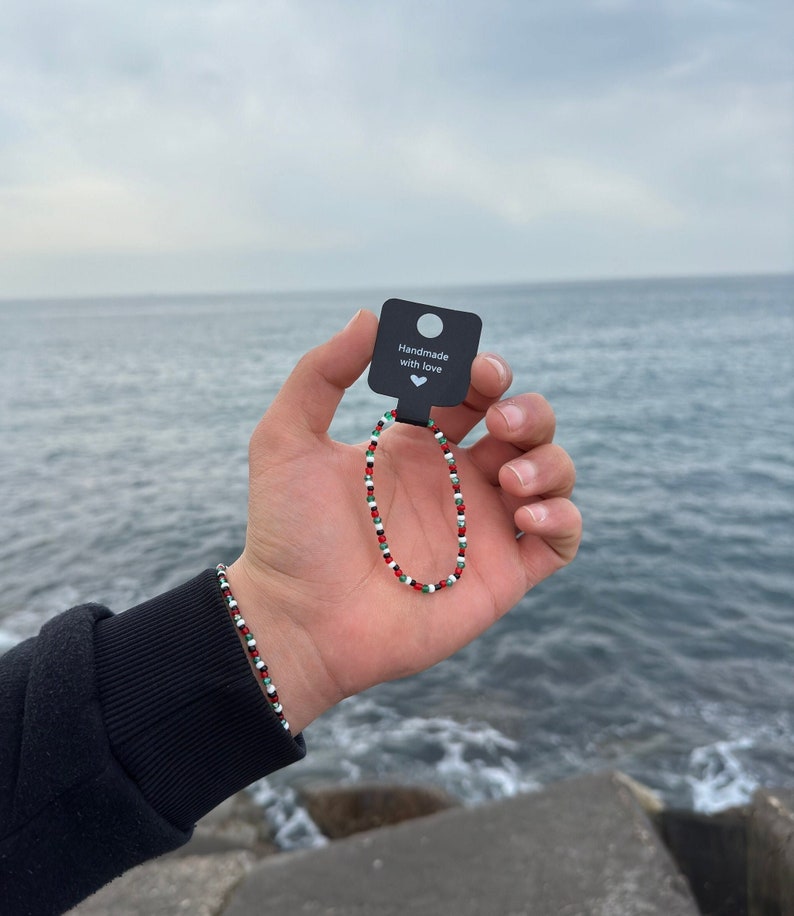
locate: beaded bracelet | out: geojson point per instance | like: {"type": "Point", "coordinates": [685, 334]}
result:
{"type": "Point", "coordinates": [378, 521]}
{"type": "Point", "coordinates": [250, 645]}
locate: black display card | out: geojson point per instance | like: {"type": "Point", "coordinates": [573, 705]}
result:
{"type": "Point", "coordinates": [423, 356]}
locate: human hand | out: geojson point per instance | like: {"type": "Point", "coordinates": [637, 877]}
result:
{"type": "Point", "coordinates": [328, 613]}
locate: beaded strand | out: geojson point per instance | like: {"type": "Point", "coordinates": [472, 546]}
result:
{"type": "Point", "coordinates": [383, 544]}
{"type": "Point", "coordinates": [250, 645]}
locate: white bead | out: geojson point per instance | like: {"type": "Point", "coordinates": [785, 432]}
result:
{"type": "Point", "coordinates": [393, 564]}
{"type": "Point", "coordinates": [260, 664]}
{"type": "Point", "coordinates": [286, 725]}
{"type": "Point", "coordinates": [431, 588]}
{"type": "Point", "coordinates": [451, 580]}
{"type": "Point", "coordinates": [461, 540]}
{"type": "Point", "coordinates": [271, 690]}
{"type": "Point", "coordinates": [277, 707]}
{"type": "Point", "coordinates": [251, 643]}
{"type": "Point", "coordinates": [241, 623]}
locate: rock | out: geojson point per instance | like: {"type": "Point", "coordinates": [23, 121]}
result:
{"type": "Point", "coordinates": [771, 853]}
{"type": "Point", "coordinates": [583, 847]}
{"type": "Point", "coordinates": [711, 851]}
{"type": "Point", "coordinates": [199, 885]}
{"type": "Point", "coordinates": [341, 811]}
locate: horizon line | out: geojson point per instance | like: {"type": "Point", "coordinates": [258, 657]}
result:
{"type": "Point", "coordinates": [341, 290]}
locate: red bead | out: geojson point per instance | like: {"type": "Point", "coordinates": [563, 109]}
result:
{"type": "Point", "coordinates": [374, 513]}
{"type": "Point", "coordinates": [245, 631]}
{"type": "Point", "coordinates": [461, 530]}
{"type": "Point", "coordinates": [418, 586]}
{"type": "Point", "coordinates": [381, 538]}
{"type": "Point", "coordinates": [453, 468]}
{"type": "Point", "coordinates": [397, 571]}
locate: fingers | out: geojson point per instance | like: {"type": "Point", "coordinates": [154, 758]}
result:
{"type": "Point", "coordinates": [491, 376]}
{"type": "Point", "coordinates": [312, 392]}
{"type": "Point", "coordinates": [525, 421]}
{"type": "Point", "coordinates": [552, 533]}
{"type": "Point", "coordinates": [544, 471]}
{"type": "Point", "coordinates": [515, 426]}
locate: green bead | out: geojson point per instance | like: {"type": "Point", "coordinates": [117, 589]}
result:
{"type": "Point", "coordinates": [377, 520]}
{"type": "Point", "coordinates": [370, 453]}
{"type": "Point", "coordinates": [403, 578]}
{"type": "Point", "coordinates": [425, 589]}
{"type": "Point", "coordinates": [458, 501]}
{"type": "Point", "coordinates": [442, 440]}
{"type": "Point", "coordinates": [383, 546]}
{"type": "Point", "coordinates": [267, 680]}
{"type": "Point", "coordinates": [455, 479]}
{"type": "Point", "coordinates": [371, 499]}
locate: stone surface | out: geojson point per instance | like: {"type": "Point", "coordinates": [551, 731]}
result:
{"type": "Point", "coordinates": [583, 847]}
{"type": "Point", "coordinates": [340, 811]}
{"type": "Point", "coordinates": [198, 885]}
{"type": "Point", "coordinates": [711, 851]}
{"type": "Point", "coordinates": [771, 853]}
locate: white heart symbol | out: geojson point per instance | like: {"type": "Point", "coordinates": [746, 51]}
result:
{"type": "Point", "coordinates": [418, 381]}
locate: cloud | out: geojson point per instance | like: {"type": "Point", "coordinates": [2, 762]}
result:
{"type": "Point", "coordinates": [330, 139]}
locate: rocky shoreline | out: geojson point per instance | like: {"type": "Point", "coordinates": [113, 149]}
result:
{"type": "Point", "coordinates": [600, 844]}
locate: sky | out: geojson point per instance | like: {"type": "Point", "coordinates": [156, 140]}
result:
{"type": "Point", "coordinates": [168, 146]}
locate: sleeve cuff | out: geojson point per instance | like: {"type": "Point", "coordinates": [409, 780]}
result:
{"type": "Point", "coordinates": [185, 716]}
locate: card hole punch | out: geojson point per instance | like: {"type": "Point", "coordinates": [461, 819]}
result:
{"type": "Point", "coordinates": [430, 325]}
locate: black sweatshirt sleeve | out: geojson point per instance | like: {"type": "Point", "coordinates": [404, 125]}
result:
{"type": "Point", "coordinates": [116, 734]}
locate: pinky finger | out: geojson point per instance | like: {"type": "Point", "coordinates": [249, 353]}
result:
{"type": "Point", "coordinates": [552, 531]}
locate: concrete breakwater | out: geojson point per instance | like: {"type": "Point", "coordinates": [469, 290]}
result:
{"type": "Point", "coordinates": [598, 844]}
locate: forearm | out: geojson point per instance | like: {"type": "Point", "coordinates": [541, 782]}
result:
{"type": "Point", "coordinates": [117, 734]}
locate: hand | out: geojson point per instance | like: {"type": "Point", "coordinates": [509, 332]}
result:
{"type": "Point", "coordinates": [329, 614]}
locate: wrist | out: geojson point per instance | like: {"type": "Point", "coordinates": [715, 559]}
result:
{"type": "Point", "coordinates": [294, 662]}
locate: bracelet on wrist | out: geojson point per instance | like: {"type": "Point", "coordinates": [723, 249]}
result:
{"type": "Point", "coordinates": [250, 645]}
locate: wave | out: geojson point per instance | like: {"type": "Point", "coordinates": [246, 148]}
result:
{"type": "Point", "coordinates": [363, 739]}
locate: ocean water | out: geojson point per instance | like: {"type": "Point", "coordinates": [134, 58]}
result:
{"type": "Point", "coordinates": [666, 649]}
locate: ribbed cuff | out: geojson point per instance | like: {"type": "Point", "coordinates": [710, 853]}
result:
{"type": "Point", "coordinates": [185, 715]}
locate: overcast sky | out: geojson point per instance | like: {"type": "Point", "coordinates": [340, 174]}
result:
{"type": "Point", "coordinates": [213, 145]}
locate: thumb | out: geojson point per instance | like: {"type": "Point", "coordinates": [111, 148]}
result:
{"type": "Point", "coordinates": [308, 399]}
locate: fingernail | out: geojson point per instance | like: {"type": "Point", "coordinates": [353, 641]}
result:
{"type": "Point", "coordinates": [498, 365]}
{"type": "Point", "coordinates": [353, 320]}
{"type": "Point", "coordinates": [538, 512]}
{"type": "Point", "coordinates": [513, 415]}
{"type": "Point", "coordinates": [525, 470]}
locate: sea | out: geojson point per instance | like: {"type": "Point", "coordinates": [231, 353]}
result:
{"type": "Point", "coordinates": [665, 650]}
